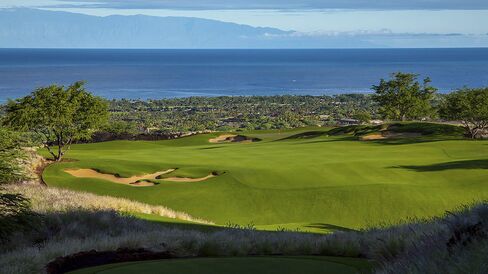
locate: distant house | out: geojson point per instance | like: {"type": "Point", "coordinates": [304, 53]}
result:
{"type": "Point", "coordinates": [348, 122]}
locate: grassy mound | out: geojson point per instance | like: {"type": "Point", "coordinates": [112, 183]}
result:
{"type": "Point", "coordinates": [428, 129]}
{"type": "Point", "coordinates": [424, 129]}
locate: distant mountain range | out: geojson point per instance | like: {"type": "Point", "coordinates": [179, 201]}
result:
{"type": "Point", "coordinates": [33, 28]}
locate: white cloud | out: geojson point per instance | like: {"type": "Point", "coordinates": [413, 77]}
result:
{"type": "Point", "coordinates": [263, 4]}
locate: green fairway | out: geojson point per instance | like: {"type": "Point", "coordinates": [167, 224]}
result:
{"type": "Point", "coordinates": [256, 265]}
{"type": "Point", "coordinates": [289, 179]}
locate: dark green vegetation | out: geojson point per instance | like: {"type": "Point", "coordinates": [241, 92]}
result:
{"type": "Point", "coordinates": [300, 178]}
{"type": "Point", "coordinates": [58, 115]}
{"type": "Point", "coordinates": [404, 98]}
{"type": "Point", "coordinates": [238, 265]}
{"type": "Point", "coordinates": [470, 106]}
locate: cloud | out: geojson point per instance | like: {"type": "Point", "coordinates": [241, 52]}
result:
{"type": "Point", "coordinates": [363, 33]}
{"type": "Point", "coordinates": [287, 5]}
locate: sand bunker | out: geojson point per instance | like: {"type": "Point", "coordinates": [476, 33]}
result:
{"type": "Point", "coordinates": [134, 180]}
{"type": "Point", "coordinates": [373, 137]}
{"type": "Point", "coordinates": [143, 180]}
{"type": "Point", "coordinates": [222, 138]}
{"type": "Point", "coordinates": [188, 180]}
{"type": "Point", "coordinates": [232, 138]}
{"type": "Point", "coordinates": [390, 135]}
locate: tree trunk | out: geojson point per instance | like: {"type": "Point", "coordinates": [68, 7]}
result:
{"type": "Point", "coordinates": [60, 153]}
{"type": "Point", "coordinates": [56, 157]}
{"type": "Point", "coordinates": [60, 148]}
{"type": "Point", "coordinates": [473, 132]}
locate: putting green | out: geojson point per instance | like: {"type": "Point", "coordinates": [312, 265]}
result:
{"type": "Point", "coordinates": [287, 181]}
{"type": "Point", "coordinates": [255, 265]}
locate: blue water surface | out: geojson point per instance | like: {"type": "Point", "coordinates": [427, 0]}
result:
{"type": "Point", "coordinates": [180, 73]}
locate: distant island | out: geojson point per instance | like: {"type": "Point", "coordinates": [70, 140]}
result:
{"type": "Point", "coordinates": [33, 28]}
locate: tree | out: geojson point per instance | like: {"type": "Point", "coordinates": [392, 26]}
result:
{"type": "Point", "coordinates": [59, 115]}
{"type": "Point", "coordinates": [404, 98]}
{"type": "Point", "coordinates": [470, 107]}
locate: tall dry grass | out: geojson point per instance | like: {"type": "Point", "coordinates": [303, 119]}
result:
{"type": "Point", "coordinates": [64, 233]}
{"type": "Point", "coordinates": [67, 200]}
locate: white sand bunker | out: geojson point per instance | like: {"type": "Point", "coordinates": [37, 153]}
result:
{"type": "Point", "coordinates": [232, 138]}
{"type": "Point", "coordinates": [143, 180]}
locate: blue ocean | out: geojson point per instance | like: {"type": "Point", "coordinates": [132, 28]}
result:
{"type": "Point", "coordinates": [181, 73]}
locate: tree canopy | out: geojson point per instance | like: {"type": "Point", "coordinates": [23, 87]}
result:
{"type": "Point", "coordinates": [404, 98]}
{"type": "Point", "coordinates": [470, 107]}
{"type": "Point", "coordinates": [59, 115]}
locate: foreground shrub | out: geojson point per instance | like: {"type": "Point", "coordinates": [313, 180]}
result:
{"type": "Point", "coordinates": [15, 215]}
{"type": "Point", "coordinates": [11, 157]}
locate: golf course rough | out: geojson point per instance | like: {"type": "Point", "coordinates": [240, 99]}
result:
{"type": "Point", "coordinates": [291, 179]}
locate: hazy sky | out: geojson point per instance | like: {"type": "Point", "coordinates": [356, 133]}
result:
{"type": "Point", "coordinates": [400, 16]}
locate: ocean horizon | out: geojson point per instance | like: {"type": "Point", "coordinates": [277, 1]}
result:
{"type": "Point", "coordinates": [156, 74]}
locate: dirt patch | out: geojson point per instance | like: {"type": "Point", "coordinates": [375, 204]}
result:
{"type": "Point", "coordinates": [142, 180]}
{"type": "Point", "coordinates": [232, 138]}
{"type": "Point", "coordinates": [390, 135]}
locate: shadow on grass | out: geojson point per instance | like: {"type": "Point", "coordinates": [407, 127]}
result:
{"type": "Point", "coordinates": [206, 148]}
{"type": "Point", "coordinates": [329, 227]}
{"type": "Point", "coordinates": [412, 140]}
{"type": "Point", "coordinates": [322, 140]}
{"type": "Point", "coordinates": [467, 164]}
{"type": "Point", "coordinates": [392, 141]}
{"type": "Point", "coordinates": [305, 135]}
{"type": "Point", "coordinates": [331, 140]}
